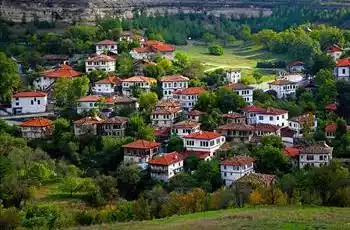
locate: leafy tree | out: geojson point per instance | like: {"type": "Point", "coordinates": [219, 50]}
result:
{"type": "Point", "coordinates": [206, 101]}
{"type": "Point", "coordinates": [326, 91]}
{"type": "Point", "coordinates": [141, 209]}
{"type": "Point", "coordinates": [274, 141]}
{"type": "Point", "coordinates": [138, 128]}
{"type": "Point", "coordinates": [9, 78]}
{"type": "Point", "coordinates": [128, 178]}
{"type": "Point", "coordinates": [208, 175]}
{"type": "Point", "coordinates": [71, 185]}
{"type": "Point", "coordinates": [216, 50]}
{"type": "Point", "coordinates": [227, 100]}
{"type": "Point", "coordinates": [322, 61]}
{"type": "Point", "coordinates": [154, 71]}
{"type": "Point", "coordinates": [125, 65]}
{"type": "Point", "coordinates": [107, 185]}
{"type": "Point", "coordinates": [175, 144]}
{"type": "Point", "coordinates": [246, 33]}
{"type": "Point", "coordinates": [148, 100]}
{"type": "Point", "coordinates": [343, 89]}
{"type": "Point", "coordinates": [158, 197]}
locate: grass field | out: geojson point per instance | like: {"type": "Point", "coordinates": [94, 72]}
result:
{"type": "Point", "coordinates": [240, 56]}
{"type": "Point", "coordinates": [260, 218]}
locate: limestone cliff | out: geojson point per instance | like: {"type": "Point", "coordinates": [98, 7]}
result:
{"type": "Point", "coordinates": [87, 10]}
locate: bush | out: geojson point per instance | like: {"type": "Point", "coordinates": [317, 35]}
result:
{"type": "Point", "coordinates": [271, 64]}
{"type": "Point", "coordinates": [85, 217]}
{"type": "Point", "coordinates": [9, 219]}
{"type": "Point", "coordinates": [44, 216]}
{"type": "Point", "coordinates": [216, 50]}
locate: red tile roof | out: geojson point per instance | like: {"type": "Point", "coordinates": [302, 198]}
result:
{"type": "Point", "coordinates": [317, 148]}
{"type": "Point", "coordinates": [238, 161]}
{"type": "Point", "coordinates": [88, 121]}
{"type": "Point", "coordinates": [287, 132]}
{"type": "Point", "coordinates": [331, 127]}
{"type": "Point", "coordinates": [203, 135]}
{"type": "Point", "coordinates": [266, 127]}
{"type": "Point", "coordinates": [172, 78]}
{"type": "Point", "coordinates": [63, 71]}
{"type": "Point", "coordinates": [162, 131]}
{"type": "Point", "coordinates": [200, 154]}
{"type": "Point", "coordinates": [291, 151]}
{"type": "Point", "coordinates": [140, 79]}
{"type": "Point", "coordinates": [253, 109]}
{"type": "Point", "coordinates": [162, 47]}
{"type": "Point", "coordinates": [332, 107]}
{"type": "Point", "coordinates": [239, 86]}
{"type": "Point", "coordinates": [142, 144]}
{"type": "Point", "coordinates": [90, 98]}
{"type": "Point", "coordinates": [116, 120]}
{"type": "Point", "coordinates": [101, 57]}
{"type": "Point", "coordinates": [168, 103]}
{"type": "Point", "coordinates": [166, 110]}
{"type": "Point", "coordinates": [37, 122]}
{"type": "Point", "coordinates": [233, 115]}
{"type": "Point", "coordinates": [344, 62]}
{"type": "Point", "coordinates": [30, 94]}
{"type": "Point", "coordinates": [106, 42]}
{"type": "Point", "coordinates": [334, 48]}
{"type": "Point", "coordinates": [282, 82]}
{"type": "Point", "coordinates": [296, 63]}
{"type": "Point", "coordinates": [155, 46]}
{"type": "Point", "coordinates": [190, 91]}
{"type": "Point", "coordinates": [236, 127]}
{"type": "Point", "coordinates": [303, 118]}
{"type": "Point", "coordinates": [188, 124]}
{"type": "Point", "coordinates": [109, 80]}
{"type": "Point", "coordinates": [266, 111]}
{"type": "Point", "coordinates": [146, 49]}
{"type": "Point", "coordinates": [196, 113]}
{"type": "Point", "coordinates": [167, 159]}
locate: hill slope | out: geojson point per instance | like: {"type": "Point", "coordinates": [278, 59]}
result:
{"type": "Point", "coordinates": [259, 218]}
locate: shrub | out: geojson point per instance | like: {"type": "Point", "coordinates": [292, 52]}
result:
{"type": "Point", "coordinates": [44, 216]}
{"type": "Point", "coordinates": [85, 217]}
{"type": "Point", "coordinates": [9, 219]}
{"type": "Point", "coordinates": [216, 50]}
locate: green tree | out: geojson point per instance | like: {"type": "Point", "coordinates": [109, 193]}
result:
{"type": "Point", "coordinates": [228, 101]}
{"type": "Point", "coordinates": [246, 33]}
{"type": "Point", "coordinates": [175, 144]}
{"type": "Point", "coordinates": [208, 175]}
{"type": "Point", "coordinates": [326, 90]}
{"type": "Point", "coordinates": [148, 100]}
{"type": "Point", "coordinates": [125, 65]}
{"type": "Point", "coordinates": [322, 61]}
{"type": "Point", "coordinates": [216, 50]}
{"type": "Point", "coordinates": [154, 71]}
{"type": "Point", "coordinates": [9, 78]}
{"type": "Point", "coordinates": [139, 129]}
{"type": "Point", "coordinates": [128, 178]}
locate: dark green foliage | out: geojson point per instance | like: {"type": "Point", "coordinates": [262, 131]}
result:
{"type": "Point", "coordinates": [216, 50]}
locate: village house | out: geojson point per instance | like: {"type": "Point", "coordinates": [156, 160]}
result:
{"type": "Point", "coordinates": [233, 76]}
{"type": "Point", "coordinates": [153, 48]}
{"type": "Point", "coordinates": [47, 78]}
{"type": "Point", "coordinates": [234, 118]}
{"type": "Point", "coordinates": [342, 68]}
{"type": "Point", "coordinates": [330, 130]}
{"type": "Point", "coordinates": [246, 92]}
{"type": "Point", "coordinates": [145, 84]}
{"type": "Point", "coordinates": [296, 67]}
{"type": "Point", "coordinates": [195, 115]}
{"type": "Point", "coordinates": [53, 59]}
{"type": "Point", "coordinates": [165, 116]}
{"type": "Point", "coordinates": [334, 51]}
{"type": "Point", "coordinates": [106, 86]}
{"type": "Point", "coordinates": [283, 88]}
{"type": "Point", "coordinates": [186, 127]}
{"type": "Point", "coordinates": [100, 62]}
{"type": "Point", "coordinates": [273, 116]}
{"type": "Point", "coordinates": [237, 132]}
{"type": "Point", "coordinates": [85, 104]}
{"type": "Point", "coordinates": [267, 130]}
{"type": "Point", "coordinates": [140, 151]}
{"type": "Point", "coordinates": [125, 103]}
{"type": "Point", "coordinates": [130, 36]}
{"type": "Point", "coordinates": [300, 123]}
{"type": "Point", "coordinates": [234, 168]}
{"type": "Point", "coordinates": [114, 126]}
{"type": "Point", "coordinates": [172, 83]}
{"type": "Point", "coordinates": [317, 154]}
{"type": "Point", "coordinates": [36, 128]}
{"type": "Point", "coordinates": [203, 141]}
{"type": "Point", "coordinates": [188, 97]}
{"type": "Point", "coordinates": [87, 125]}
{"type": "Point", "coordinates": [293, 154]}
{"type": "Point", "coordinates": [166, 166]}
{"type": "Point", "coordinates": [28, 102]}
{"type": "Point", "coordinates": [106, 46]}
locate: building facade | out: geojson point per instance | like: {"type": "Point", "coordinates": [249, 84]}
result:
{"type": "Point", "coordinates": [233, 76]}
{"type": "Point", "coordinates": [87, 126]}
{"type": "Point", "coordinates": [315, 155]}
{"type": "Point", "coordinates": [114, 126]}
{"type": "Point", "coordinates": [188, 97]}
{"type": "Point", "coordinates": [100, 62]}
{"type": "Point", "coordinates": [273, 116]}
{"type": "Point", "coordinates": [145, 84]}
{"type": "Point", "coordinates": [283, 88]}
{"type": "Point", "coordinates": [186, 127]}
{"type": "Point", "coordinates": [36, 128]}
{"type": "Point", "coordinates": [166, 166]}
{"type": "Point", "coordinates": [106, 86]}
{"type": "Point", "coordinates": [140, 151]}
{"type": "Point", "coordinates": [28, 102]}
{"type": "Point", "coordinates": [233, 169]}
{"type": "Point", "coordinates": [173, 83]}
{"type": "Point", "coordinates": [342, 68]}
{"type": "Point", "coordinates": [246, 92]}
{"type": "Point", "coordinates": [300, 123]}
{"type": "Point", "coordinates": [153, 48]}
{"type": "Point", "coordinates": [106, 46]}
{"type": "Point", "coordinates": [85, 104]}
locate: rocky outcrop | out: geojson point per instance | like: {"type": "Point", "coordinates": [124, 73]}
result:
{"type": "Point", "coordinates": [87, 10]}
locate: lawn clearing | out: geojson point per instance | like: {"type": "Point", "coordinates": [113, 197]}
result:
{"type": "Point", "coordinates": [260, 218]}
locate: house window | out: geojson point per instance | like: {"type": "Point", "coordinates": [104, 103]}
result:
{"type": "Point", "coordinates": [32, 102]}
{"type": "Point", "coordinates": [309, 157]}
{"type": "Point", "coordinates": [17, 103]}
{"type": "Point", "coordinates": [344, 71]}
{"type": "Point", "coordinates": [261, 118]}
{"type": "Point", "coordinates": [271, 118]}
{"type": "Point", "coordinates": [38, 102]}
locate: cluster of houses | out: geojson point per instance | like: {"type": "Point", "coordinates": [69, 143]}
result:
{"type": "Point", "coordinates": [174, 114]}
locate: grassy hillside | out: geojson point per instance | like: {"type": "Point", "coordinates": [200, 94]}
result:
{"type": "Point", "coordinates": [259, 218]}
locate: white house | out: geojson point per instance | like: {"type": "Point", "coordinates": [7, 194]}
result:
{"type": "Point", "coordinates": [145, 84]}
{"type": "Point", "coordinates": [186, 127]}
{"type": "Point", "coordinates": [315, 155]}
{"type": "Point", "coordinates": [47, 78]}
{"type": "Point", "coordinates": [106, 46]}
{"type": "Point", "coordinates": [235, 168]}
{"type": "Point", "coordinates": [233, 76]}
{"type": "Point", "coordinates": [172, 83]}
{"type": "Point", "coordinates": [283, 87]}
{"type": "Point", "coordinates": [166, 166]}
{"type": "Point", "coordinates": [86, 125]}
{"type": "Point", "coordinates": [296, 67]}
{"type": "Point", "coordinates": [330, 130]}
{"type": "Point", "coordinates": [297, 124]}
{"type": "Point", "coordinates": [140, 151]}
{"type": "Point", "coordinates": [203, 141]}
{"type": "Point", "coordinates": [246, 92]}
{"type": "Point", "coordinates": [153, 48]}
{"type": "Point", "coordinates": [85, 104]}
{"type": "Point", "coordinates": [335, 51]}
{"type": "Point", "coordinates": [36, 128]}
{"type": "Point", "coordinates": [342, 68]}
{"type": "Point", "coordinates": [28, 102]}
{"type": "Point", "coordinates": [188, 97]}
{"type": "Point", "coordinates": [106, 86]}
{"type": "Point", "coordinates": [273, 116]}
{"type": "Point", "coordinates": [100, 62]}
{"type": "Point", "coordinates": [195, 115]}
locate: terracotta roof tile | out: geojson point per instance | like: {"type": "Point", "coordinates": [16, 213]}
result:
{"type": "Point", "coordinates": [344, 62]}
{"type": "Point", "coordinates": [239, 86]}
{"type": "Point", "coordinates": [90, 98]}
{"type": "Point", "coordinates": [62, 71]}
{"type": "Point", "coordinates": [238, 161]}
{"type": "Point", "coordinates": [266, 127]}
{"type": "Point", "coordinates": [172, 78]}
{"type": "Point", "coordinates": [187, 124]}
{"type": "Point", "coordinates": [37, 122]}
{"type": "Point", "coordinates": [292, 151]}
{"type": "Point", "coordinates": [334, 48]}
{"type": "Point", "coordinates": [109, 80]}
{"type": "Point", "coordinates": [106, 42]}
{"type": "Point", "coordinates": [162, 131]}
{"type": "Point", "coordinates": [168, 103]}
{"type": "Point", "coordinates": [236, 127]}
{"type": "Point", "coordinates": [196, 113]}
{"type": "Point", "coordinates": [253, 109]}
{"type": "Point", "coordinates": [203, 135]}
{"type": "Point", "coordinates": [296, 63]}
{"type": "Point", "coordinates": [166, 110]}
{"type": "Point", "coordinates": [101, 57]}
{"type": "Point", "coordinates": [233, 115]}
{"type": "Point", "coordinates": [30, 94]}
{"type": "Point", "coordinates": [331, 127]}
{"type": "Point", "coordinates": [88, 121]}
{"type": "Point", "coordinates": [200, 154]}
{"type": "Point", "coordinates": [167, 159]}
{"type": "Point", "coordinates": [258, 179]}
{"type": "Point", "coordinates": [317, 148]}
{"type": "Point", "coordinates": [282, 82]}
{"type": "Point", "coordinates": [303, 118]}
{"type": "Point", "coordinates": [332, 107]}
{"type": "Point", "coordinates": [140, 79]}
{"type": "Point", "coordinates": [142, 144]}
{"type": "Point", "coordinates": [116, 120]}
{"type": "Point", "coordinates": [190, 91]}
